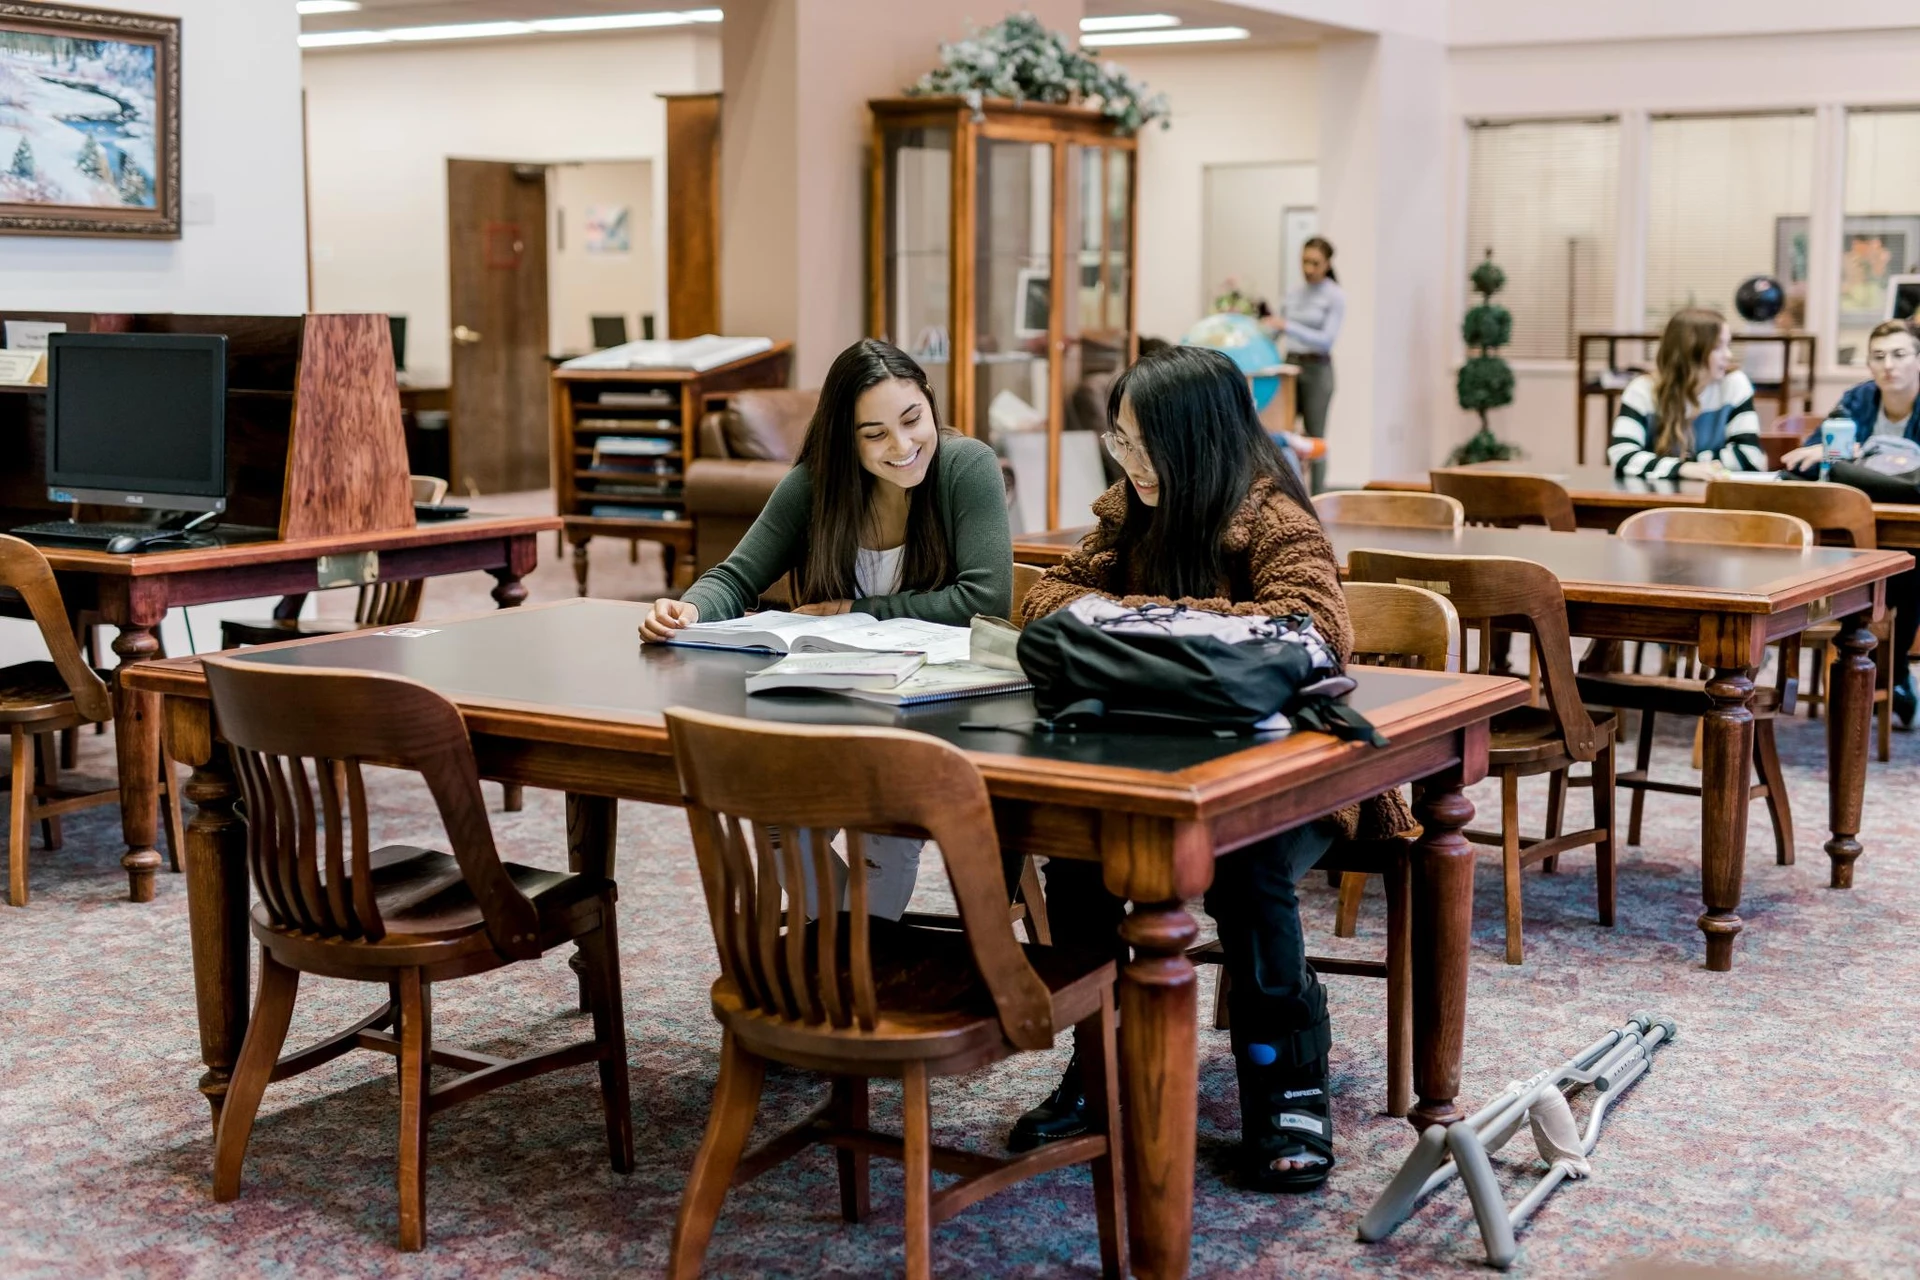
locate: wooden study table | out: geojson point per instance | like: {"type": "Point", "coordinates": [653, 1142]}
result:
{"type": "Point", "coordinates": [564, 696]}
{"type": "Point", "coordinates": [1602, 500]}
{"type": "Point", "coordinates": [134, 592]}
{"type": "Point", "coordinates": [1730, 602]}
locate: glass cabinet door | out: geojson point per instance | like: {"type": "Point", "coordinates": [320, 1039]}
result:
{"type": "Point", "coordinates": [917, 265]}
{"type": "Point", "coordinates": [1013, 307]}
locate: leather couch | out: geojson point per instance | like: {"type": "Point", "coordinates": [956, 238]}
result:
{"type": "Point", "coordinates": [741, 452]}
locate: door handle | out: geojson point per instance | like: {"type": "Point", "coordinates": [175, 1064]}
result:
{"type": "Point", "coordinates": [463, 334]}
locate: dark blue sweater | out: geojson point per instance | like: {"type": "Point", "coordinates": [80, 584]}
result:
{"type": "Point", "coordinates": [1862, 404]}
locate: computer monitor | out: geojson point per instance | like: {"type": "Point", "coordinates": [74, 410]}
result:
{"type": "Point", "coordinates": [138, 420]}
{"type": "Point", "coordinates": [609, 331]}
{"type": "Point", "coordinates": [397, 326]}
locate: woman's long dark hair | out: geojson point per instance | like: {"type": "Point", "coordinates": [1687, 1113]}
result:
{"type": "Point", "coordinates": [842, 487]}
{"type": "Point", "coordinates": [1196, 417]}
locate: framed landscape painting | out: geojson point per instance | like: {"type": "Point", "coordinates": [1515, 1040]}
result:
{"type": "Point", "coordinates": [89, 122]}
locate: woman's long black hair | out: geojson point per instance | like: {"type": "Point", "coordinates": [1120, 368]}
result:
{"type": "Point", "coordinates": [842, 487]}
{"type": "Point", "coordinates": [1196, 417]}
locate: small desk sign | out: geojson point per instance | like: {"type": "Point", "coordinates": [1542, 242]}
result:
{"type": "Point", "coordinates": [23, 368]}
{"type": "Point", "coordinates": [31, 335]}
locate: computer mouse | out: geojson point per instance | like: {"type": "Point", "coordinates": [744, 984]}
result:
{"type": "Point", "coordinates": [122, 543]}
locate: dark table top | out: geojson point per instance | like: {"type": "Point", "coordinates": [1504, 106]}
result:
{"type": "Point", "coordinates": [580, 663]}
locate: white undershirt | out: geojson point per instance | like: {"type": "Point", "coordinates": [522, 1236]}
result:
{"type": "Point", "coordinates": [1887, 426]}
{"type": "Point", "coordinates": [877, 573]}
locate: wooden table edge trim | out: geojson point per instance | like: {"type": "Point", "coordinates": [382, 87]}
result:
{"type": "Point", "coordinates": [201, 559]}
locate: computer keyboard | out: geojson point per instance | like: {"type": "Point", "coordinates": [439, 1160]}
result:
{"type": "Point", "coordinates": [90, 533]}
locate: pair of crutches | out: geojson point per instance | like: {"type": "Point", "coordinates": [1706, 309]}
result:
{"type": "Point", "coordinates": [1608, 1065]}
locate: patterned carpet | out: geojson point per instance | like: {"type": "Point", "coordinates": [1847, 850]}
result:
{"type": "Point", "coordinates": [1778, 1133]}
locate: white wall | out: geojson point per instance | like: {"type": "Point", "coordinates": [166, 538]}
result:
{"type": "Point", "coordinates": [1239, 107]}
{"type": "Point", "coordinates": [382, 123]}
{"type": "Point", "coordinates": [584, 284]}
{"type": "Point", "coordinates": [241, 250]}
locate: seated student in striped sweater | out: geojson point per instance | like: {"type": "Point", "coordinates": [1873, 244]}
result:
{"type": "Point", "coordinates": [1693, 417]}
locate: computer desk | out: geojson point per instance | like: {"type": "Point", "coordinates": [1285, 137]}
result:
{"type": "Point", "coordinates": [134, 592]}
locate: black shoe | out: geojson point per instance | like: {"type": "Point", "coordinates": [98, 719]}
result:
{"type": "Point", "coordinates": [1062, 1115]}
{"type": "Point", "coordinates": [1904, 700]}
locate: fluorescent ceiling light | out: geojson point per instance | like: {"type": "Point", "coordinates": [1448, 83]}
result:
{"type": "Point", "coordinates": [1178, 35]}
{"type": "Point", "coordinates": [334, 39]}
{"type": "Point", "coordinates": [1129, 22]}
{"type": "Point", "coordinates": [614, 21]}
{"type": "Point", "coordinates": [307, 8]}
{"type": "Point", "coordinates": [462, 31]}
{"type": "Point", "coordinates": [703, 15]}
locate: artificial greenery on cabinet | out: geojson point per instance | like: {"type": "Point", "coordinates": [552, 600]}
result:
{"type": "Point", "coordinates": [1019, 59]}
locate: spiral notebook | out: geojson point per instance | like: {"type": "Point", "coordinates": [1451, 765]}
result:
{"type": "Point", "coordinates": [945, 682]}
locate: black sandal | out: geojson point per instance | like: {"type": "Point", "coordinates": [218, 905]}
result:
{"type": "Point", "coordinates": [1286, 1112]}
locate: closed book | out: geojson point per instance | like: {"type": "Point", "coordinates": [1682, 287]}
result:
{"type": "Point", "coordinates": [945, 683]}
{"type": "Point", "coordinates": [870, 670]}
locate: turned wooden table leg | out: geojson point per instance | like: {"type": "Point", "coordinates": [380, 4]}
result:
{"type": "Point", "coordinates": [1159, 1048]}
{"type": "Point", "coordinates": [1442, 868]}
{"type": "Point", "coordinates": [1850, 690]}
{"type": "Point", "coordinates": [136, 730]}
{"type": "Point", "coordinates": [592, 822]}
{"type": "Point", "coordinates": [217, 896]}
{"type": "Point", "coordinates": [1725, 774]}
{"type": "Point", "coordinates": [508, 591]}
{"type": "Point", "coordinates": [580, 566]}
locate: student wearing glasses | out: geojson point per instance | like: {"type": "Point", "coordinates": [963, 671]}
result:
{"type": "Point", "coordinates": [1887, 404]}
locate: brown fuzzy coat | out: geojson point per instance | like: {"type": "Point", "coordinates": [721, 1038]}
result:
{"type": "Point", "coordinates": [1278, 561]}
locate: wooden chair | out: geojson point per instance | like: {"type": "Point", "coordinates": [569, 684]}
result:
{"type": "Point", "coordinates": [1506, 499]}
{"type": "Point", "coordinates": [402, 917]}
{"type": "Point", "coordinates": [1528, 740]}
{"type": "Point", "coordinates": [38, 700]}
{"type": "Point", "coordinates": [1390, 508]}
{"type": "Point", "coordinates": [858, 998]}
{"type": "Point", "coordinates": [1024, 576]}
{"type": "Point", "coordinates": [1656, 695]}
{"type": "Point", "coordinates": [428, 489]}
{"type": "Point", "coordinates": [1840, 516]}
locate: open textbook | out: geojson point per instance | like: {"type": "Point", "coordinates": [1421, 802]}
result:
{"type": "Point", "coordinates": [845, 653]}
{"type": "Point", "coordinates": [840, 633]}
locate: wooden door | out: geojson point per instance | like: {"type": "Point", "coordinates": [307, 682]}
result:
{"type": "Point", "coordinates": [693, 214]}
{"type": "Point", "coordinates": [497, 242]}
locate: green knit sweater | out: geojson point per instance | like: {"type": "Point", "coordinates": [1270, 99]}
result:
{"type": "Point", "coordinates": [971, 501]}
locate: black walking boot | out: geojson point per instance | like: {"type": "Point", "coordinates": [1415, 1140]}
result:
{"type": "Point", "coordinates": [1286, 1109]}
{"type": "Point", "coordinates": [1904, 699]}
{"type": "Point", "coordinates": [1062, 1115]}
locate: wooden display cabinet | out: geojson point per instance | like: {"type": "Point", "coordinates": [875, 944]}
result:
{"type": "Point", "coordinates": [639, 496]}
{"type": "Point", "coordinates": [1002, 255]}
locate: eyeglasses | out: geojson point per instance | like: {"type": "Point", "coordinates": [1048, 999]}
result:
{"type": "Point", "coordinates": [1119, 446]}
{"type": "Point", "coordinates": [1895, 356]}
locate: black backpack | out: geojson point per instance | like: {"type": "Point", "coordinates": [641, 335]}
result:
{"type": "Point", "coordinates": [1097, 664]}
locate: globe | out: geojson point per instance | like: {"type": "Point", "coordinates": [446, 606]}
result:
{"type": "Point", "coordinates": [1759, 298]}
{"type": "Point", "coordinates": [1241, 339]}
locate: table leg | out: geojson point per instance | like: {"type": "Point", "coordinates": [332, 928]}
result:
{"type": "Point", "coordinates": [137, 745]}
{"type": "Point", "coordinates": [580, 566]}
{"type": "Point", "coordinates": [217, 901]}
{"type": "Point", "coordinates": [1159, 1048]}
{"type": "Point", "coordinates": [509, 591]}
{"type": "Point", "coordinates": [1442, 866]}
{"type": "Point", "coordinates": [1725, 776]}
{"type": "Point", "coordinates": [592, 822]}
{"type": "Point", "coordinates": [1850, 712]}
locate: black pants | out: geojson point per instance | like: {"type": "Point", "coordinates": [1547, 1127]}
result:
{"type": "Point", "coordinates": [1903, 597]}
{"type": "Point", "coordinates": [1255, 903]}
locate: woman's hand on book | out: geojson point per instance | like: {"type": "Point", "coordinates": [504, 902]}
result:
{"type": "Point", "coordinates": [667, 617]}
{"type": "Point", "coordinates": [825, 608]}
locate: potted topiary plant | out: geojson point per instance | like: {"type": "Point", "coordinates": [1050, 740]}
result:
{"type": "Point", "coordinates": [1485, 381]}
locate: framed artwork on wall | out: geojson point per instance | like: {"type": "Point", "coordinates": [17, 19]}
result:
{"type": "Point", "coordinates": [1874, 248]}
{"type": "Point", "coordinates": [89, 122]}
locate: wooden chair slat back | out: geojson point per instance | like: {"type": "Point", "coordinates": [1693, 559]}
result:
{"type": "Point", "coordinates": [1396, 625]}
{"type": "Point", "coordinates": [294, 728]}
{"type": "Point", "coordinates": [1708, 524]}
{"type": "Point", "coordinates": [793, 785]}
{"type": "Point", "coordinates": [24, 569]}
{"type": "Point", "coordinates": [1506, 499]}
{"type": "Point", "coordinates": [1512, 594]}
{"type": "Point", "coordinates": [1840, 514]}
{"type": "Point", "coordinates": [1024, 576]}
{"type": "Point", "coordinates": [389, 604]}
{"type": "Point", "coordinates": [1390, 508]}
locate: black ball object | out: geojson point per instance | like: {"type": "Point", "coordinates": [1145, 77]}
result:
{"type": "Point", "coordinates": [1759, 298]}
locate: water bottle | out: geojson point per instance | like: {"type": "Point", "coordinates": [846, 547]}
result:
{"type": "Point", "coordinates": [1837, 435]}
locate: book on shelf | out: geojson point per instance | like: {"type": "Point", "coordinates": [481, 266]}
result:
{"type": "Point", "coordinates": [632, 450]}
{"type": "Point", "coordinates": [653, 399]}
{"type": "Point", "coordinates": [836, 672]}
{"type": "Point", "coordinates": [626, 426]}
{"type": "Point", "coordinates": [663, 488]}
{"type": "Point", "coordinates": [695, 355]}
{"type": "Point", "coordinates": [609, 511]}
{"type": "Point", "coordinates": [778, 632]}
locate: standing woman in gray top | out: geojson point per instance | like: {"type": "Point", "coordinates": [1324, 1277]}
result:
{"type": "Point", "coordinates": [1308, 324]}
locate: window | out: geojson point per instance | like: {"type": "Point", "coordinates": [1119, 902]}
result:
{"type": "Point", "coordinates": [1881, 234]}
{"type": "Point", "coordinates": [1540, 195]}
{"type": "Point", "coordinates": [1725, 195]}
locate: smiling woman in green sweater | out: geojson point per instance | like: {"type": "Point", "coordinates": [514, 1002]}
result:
{"type": "Point", "coordinates": [883, 513]}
